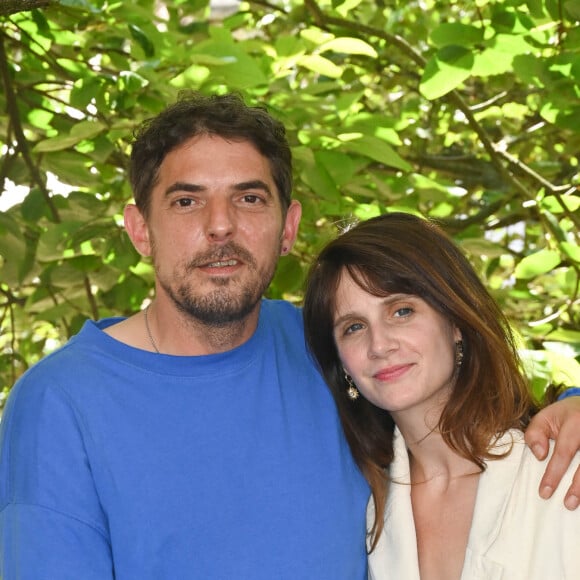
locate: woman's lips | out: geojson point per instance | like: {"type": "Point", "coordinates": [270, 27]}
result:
{"type": "Point", "coordinates": [391, 373]}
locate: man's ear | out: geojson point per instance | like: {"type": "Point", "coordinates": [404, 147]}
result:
{"type": "Point", "coordinates": [291, 224]}
{"type": "Point", "coordinates": [137, 229]}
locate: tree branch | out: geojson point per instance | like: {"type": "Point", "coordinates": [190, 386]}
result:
{"type": "Point", "coordinates": [8, 7]}
{"type": "Point", "coordinates": [496, 157]}
{"type": "Point", "coordinates": [14, 115]}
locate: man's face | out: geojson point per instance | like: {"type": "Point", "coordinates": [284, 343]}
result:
{"type": "Point", "coordinates": [216, 229]}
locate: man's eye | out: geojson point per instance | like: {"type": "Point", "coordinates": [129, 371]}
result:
{"type": "Point", "coordinates": [184, 202]}
{"type": "Point", "coordinates": [251, 198]}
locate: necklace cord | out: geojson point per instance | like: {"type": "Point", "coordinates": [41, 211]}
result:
{"type": "Point", "coordinates": [149, 334]}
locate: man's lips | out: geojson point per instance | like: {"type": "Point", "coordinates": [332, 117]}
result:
{"type": "Point", "coordinates": [393, 372]}
{"type": "Point", "coordinates": [221, 264]}
{"type": "Point", "coordinates": [223, 267]}
{"type": "Point", "coordinates": [227, 259]}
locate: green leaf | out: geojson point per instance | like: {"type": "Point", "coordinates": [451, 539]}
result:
{"type": "Point", "coordinates": [563, 335]}
{"type": "Point", "coordinates": [119, 252]}
{"type": "Point", "coordinates": [482, 247]}
{"type": "Point", "coordinates": [289, 274]}
{"type": "Point", "coordinates": [79, 132]}
{"type": "Point", "coordinates": [40, 119]}
{"type": "Point", "coordinates": [142, 39]}
{"type": "Point", "coordinates": [456, 33]}
{"type": "Point", "coordinates": [572, 8]}
{"type": "Point", "coordinates": [366, 211]}
{"type": "Point", "coordinates": [345, 7]}
{"type": "Point", "coordinates": [320, 65]}
{"type": "Point", "coordinates": [530, 69]}
{"type": "Point", "coordinates": [491, 62]}
{"type": "Point", "coordinates": [12, 256]}
{"type": "Point", "coordinates": [105, 277]}
{"type": "Point", "coordinates": [65, 275]}
{"type": "Point", "coordinates": [56, 144]}
{"type": "Point", "coordinates": [553, 204]}
{"type": "Point", "coordinates": [537, 263]}
{"type": "Point", "coordinates": [349, 45]}
{"type": "Point", "coordinates": [84, 91]}
{"type": "Point", "coordinates": [340, 166]}
{"type": "Point", "coordinates": [34, 207]}
{"type": "Point", "coordinates": [129, 293]}
{"type": "Point", "coordinates": [510, 21]}
{"type": "Point", "coordinates": [54, 240]}
{"type": "Point", "coordinates": [571, 250]}
{"type": "Point", "coordinates": [445, 71]}
{"type": "Point", "coordinates": [236, 67]}
{"type": "Point", "coordinates": [376, 149]}
{"type": "Point", "coordinates": [319, 181]}
{"type": "Point", "coordinates": [87, 129]}
{"type": "Point", "coordinates": [70, 167]}
{"type": "Point", "coordinates": [536, 8]}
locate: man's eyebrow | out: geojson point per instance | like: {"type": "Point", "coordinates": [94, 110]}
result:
{"type": "Point", "coordinates": [184, 186]}
{"type": "Point", "coordinates": [242, 186]}
{"type": "Point", "coordinates": [253, 184]}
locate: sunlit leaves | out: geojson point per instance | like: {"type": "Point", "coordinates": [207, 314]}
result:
{"type": "Point", "coordinates": [537, 263]}
{"type": "Point", "coordinates": [79, 132]}
{"type": "Point", "coordinates": [320, 65]}
{"type": "Point", "coordinates": [376, 149]}
{"type": "Point", "coordinates": [457, 33]}
{"type": "Point", "coordinates": [349, 46]}
{"type": "Point", "coordinates": [446, 70]}
{"type": "Point", "coordinates": [467, 112]}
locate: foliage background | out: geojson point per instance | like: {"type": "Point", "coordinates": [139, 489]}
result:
{"type": "Point", "coordinates": [464, 111]}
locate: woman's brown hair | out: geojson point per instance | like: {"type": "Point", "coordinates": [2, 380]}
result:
{"type": "Point", "coordinates": [403, 253]}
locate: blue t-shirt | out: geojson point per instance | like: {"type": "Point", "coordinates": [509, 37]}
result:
{"type": "Point", "coordinates": [121, 463]}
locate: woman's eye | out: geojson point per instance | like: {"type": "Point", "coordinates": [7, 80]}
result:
{"type": "Point", "coordinates": [353, 328]}
{"type": "Point", "coordinates": [403, 312]}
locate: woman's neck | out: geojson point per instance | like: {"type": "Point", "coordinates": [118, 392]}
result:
{"type": "Point", "coordinates": [430, 457]}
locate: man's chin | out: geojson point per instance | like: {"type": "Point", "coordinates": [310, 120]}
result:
{"type": "Point", "coordinates": [218, 309]}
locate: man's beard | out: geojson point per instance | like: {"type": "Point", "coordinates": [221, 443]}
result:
{"type": "Point", "coordinates": [229, 302]}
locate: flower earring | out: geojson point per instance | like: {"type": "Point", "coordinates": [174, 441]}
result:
{"type": "Point", "coordinates": [459, 354]}
{"type": "Point", "coordinates": [351, 391]}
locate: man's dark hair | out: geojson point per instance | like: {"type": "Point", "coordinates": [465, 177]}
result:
{"type": "Point", "coordinates": [226, 116]}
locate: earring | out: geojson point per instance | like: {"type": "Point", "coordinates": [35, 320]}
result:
{"type": "Point", "coordinates": [459, 353]}
{"type": "Point", "coordinates": [351, 391]}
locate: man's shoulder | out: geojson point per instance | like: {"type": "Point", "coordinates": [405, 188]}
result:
{"type": "Point", "coordinates": [282, 318]}
{"type": "Point", "coordinates": [281, 309]}
{"type": "Point", "coordinates": [68, 363]}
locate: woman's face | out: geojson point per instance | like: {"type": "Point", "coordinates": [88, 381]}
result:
{"type": "Point", "coordinates": [397, 348]}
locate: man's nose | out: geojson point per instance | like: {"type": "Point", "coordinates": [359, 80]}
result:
{"type": "Point", "coordinates": [220, 218]}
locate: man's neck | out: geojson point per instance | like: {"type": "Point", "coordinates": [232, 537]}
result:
{"type": "Point", "coordinates": [211, 339]}
{"type": "Point", "coordinates": [167, 331]}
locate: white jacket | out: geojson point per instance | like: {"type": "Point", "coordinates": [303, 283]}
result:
{"type": "Point", "coordinates": [515, 535]}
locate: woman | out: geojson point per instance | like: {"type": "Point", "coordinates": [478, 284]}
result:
{"type": "Point", "coordinates": [394, 312]}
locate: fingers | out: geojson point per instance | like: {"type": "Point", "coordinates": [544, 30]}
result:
{"type": "Point", "coordinates": [564, 451]}
{"type": "Point", "coordinates": [537, 436]}
{"type": "Point", "coordinates": [572, 499]}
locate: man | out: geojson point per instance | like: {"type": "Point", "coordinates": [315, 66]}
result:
{"type": "Point", "coordinates": [194, 439]}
